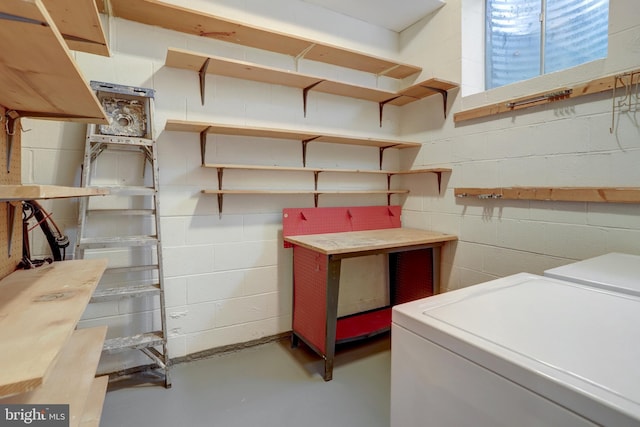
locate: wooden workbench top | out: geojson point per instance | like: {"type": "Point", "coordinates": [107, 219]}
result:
{"type": "Point", "coordinates": [369, 240]}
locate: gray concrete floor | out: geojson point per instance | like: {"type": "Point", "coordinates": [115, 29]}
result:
{"type": "Point", "coordinates": [267, 385]}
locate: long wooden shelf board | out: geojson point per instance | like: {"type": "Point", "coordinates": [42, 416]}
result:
{"type": "Point", "coordinates": [180, 58]}
{"type": "Point", "coordinates": [71, 376]}
{"type": "Point", "coordinates": [312, 169]}
{"type": "Point", "coordinates": [245, 70]}
{"type": "Point", "coordinates": [213, 128]}
{"type": "Point", "coordinates": [31, 192]}
{"type": "Point", "coordinates": [423, 89]}
{"type": "Point", "coordinates": [95, 401]}
{"type": "Point", "coordinates": [602, 84]}
{"type": "Point", "coordinates": [80, 25]}
{"type": "Point", "coordinates": [39, 310]}
{"type": "Point", "coordinates": [38, 76]}
{"type": "Point", "coordinates": [172, 17]}
{"type": "Point", "coordinates": [568, 194]}
{"type": "Point", "coordinates": [305, 191]}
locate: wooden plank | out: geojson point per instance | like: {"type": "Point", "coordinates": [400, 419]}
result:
{"type": "Point", "coordinates": [599, 85]}
{"type": "Point", "coordinates": [567, 194]}
{"type": "Point", "coordinates": [305, 192]}
{"type": "Point", "coordinates": [360, 241]}
{"type": "Point", "coordinates": [71, 376]}
{"type": "Point", "coordinates": [38, 76]}
{"type": "Point", "coordinates": [312, 169]}
{"type": "Point", "coordinates": [79, 23]}
{"type": "Point", "coordinates": [422, 90]}
{"type": "Point", "coordinates": [172, 17]}
{"type": "Point", "coordinates": [95, 401]}
{"type": "Point", "coordinates": [234, 130]}
{"type": "Point", "coordinates": [180, 58]}
{"type": "Point", "coordinates": [31, 192]}
{"type": "Point", "coordinates": [39, 309]}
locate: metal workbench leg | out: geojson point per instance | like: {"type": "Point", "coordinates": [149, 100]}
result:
{"type": "Point", "coordinates": [333, 285]}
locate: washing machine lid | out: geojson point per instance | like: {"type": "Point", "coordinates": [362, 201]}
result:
{"type": "Point", "coordinates": [615, 271]}
{"type": "Point", "coordinates": [573, 344]}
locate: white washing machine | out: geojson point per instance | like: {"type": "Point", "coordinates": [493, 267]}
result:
{"type": "Point", "coordinates": [524, 350]}
{"type": "Point", "coordinates": [613, 271]}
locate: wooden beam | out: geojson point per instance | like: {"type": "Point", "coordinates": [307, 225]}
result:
{"type": "Point", "coordinates": [566, 194]}
{"type": "Point", "coordinates": [599, 85]}
{"type": "Point", "coordinates": [34, 192]}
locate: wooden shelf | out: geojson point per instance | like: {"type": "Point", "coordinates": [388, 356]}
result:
{"type": "Point", "coordinates": [172, 17]}
{"type": "Point", "coordinates": [40, 309]}
{"type": "Point", "coordinates": [71, 376]}
{"type": "Point", "coordinates": [567, 194]}
{"type": "Point", "coordinates": [79, 24]}
{"type": "Point", "coordinates": [316, 193]}
{"type": "Point", "coordinates": [95, 402]}
{"type": "Point", "coordinates": [38, 76]}
{"type": "Point", "coordinates": [33, 192]}
{"type": "Point", "coordinates": [303, 136]}
{"type": "Point", "coordinates": [207, 64]}
{"type": "Point", "coordinates": [603, 84]}
{"type": "Point", "coordinates": [312, 169]}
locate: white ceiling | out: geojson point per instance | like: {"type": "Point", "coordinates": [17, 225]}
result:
{"type": "Point", "coordinates": [395, 15]}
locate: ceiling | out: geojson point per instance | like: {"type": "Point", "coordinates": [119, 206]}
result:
{"type": "Point", "coordinates": [395, 15]}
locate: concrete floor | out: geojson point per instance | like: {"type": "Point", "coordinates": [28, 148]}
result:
{"type": "Point", "coordinates": [267, 385]}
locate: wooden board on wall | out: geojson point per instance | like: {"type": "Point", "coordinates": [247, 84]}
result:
{"type": "Point", "coordinates": [10, 255]}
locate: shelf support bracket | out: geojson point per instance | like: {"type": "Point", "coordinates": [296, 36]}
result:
{"type": "Point", "coordinates": [203, 76]}
{"type": "Point", "coordinates": [382, 104]}
{"type": "Point", "coordinates": [382, 155]}
{"type": "Point", "coordinates": [11, 214]}
{"type": "Point", "coordinates": [10, 126]}
{"type": "Point", "coordinates": [304, 149]}
{"type": "Point", "coordinates": [315, 180]}
{"type": "Point", "coordinates": [439, 176]}
{"type": "Point", "coordinates": [445, 96]}
{"type": "Point", "coordinates": [220, 200]}
{"type": "Point", "coordinates": [305, 94]}
{"type": "Point", "coordinates": [203, 144]}
{"type": "Point", "coordinates": [302, 54]}
{"type": "Point", "coordinates": [220, 195]}
{"type": "Point", "coordinates": [315, 199]}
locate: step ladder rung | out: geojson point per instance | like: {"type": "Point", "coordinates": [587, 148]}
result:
{"type": "Point", "coordinates": [120, 140]}
{"type": "Point", "coordinates": [131, 269]}
{"type": "Point", "coordinates": [129, 190]}
{"type": "Point", "coordinates": [116, 242]}
{"type": "Point", "coordinates": [124, 292]}
{"type": "Point", "coordinates": [135, 342]}
{"type": "Point", "coordinates": [121, 212]}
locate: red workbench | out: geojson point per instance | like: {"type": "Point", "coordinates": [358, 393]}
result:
{"type": "Point", "coordinates": [321, 238]}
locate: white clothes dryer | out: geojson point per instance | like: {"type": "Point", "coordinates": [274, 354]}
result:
{"type": "Point", "coordinates": [614, 271]}
{"type": "Point", "coordinates": [524, 350]}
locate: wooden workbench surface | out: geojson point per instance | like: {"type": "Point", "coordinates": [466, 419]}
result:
{"type": "Point", "coordinates": [369, 240]}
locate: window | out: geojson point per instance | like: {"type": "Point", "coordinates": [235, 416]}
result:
{"type": "Point", "coordinates": [527, 38]}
